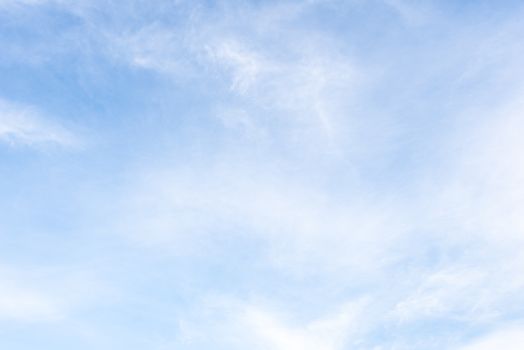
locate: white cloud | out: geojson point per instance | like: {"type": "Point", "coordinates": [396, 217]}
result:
{"type": "Point", "coordinates": [21, 304]}
{"type": "Point", "coordinates": [479, 193]}
{"type": "Point", "coordinates": [23, 301]}
{"type": "Point", "coordinates": [276, 78]}
{"type": "Point", "coordinates": [508, 338]}
{"type": "Point", "coordinates": [298, 83]}
{"type": "Point", "coordinates": [308, 89]}
{"type": "Point", "coordinates": [244, 64]}
{"type": "Point", "coordinates": [454, 294]}
{"type": "Point", "coordinates": [256, 325]}
{"type": "Point", "coordinates": [329, 333]}
{"type": "Point", "coordinates": [469, 213]}
{"type": "Point", "coordinates": [152, 47]}
{"type": "Point", "coordinates": [40, 294]}
{"type": "Point", "coordinates": [306, 230]}
{"type": "Point", "coordinates": [24, 125]}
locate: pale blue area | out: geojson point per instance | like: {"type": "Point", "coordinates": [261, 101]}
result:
{"type": "Point", "coordinates": [59, 207]}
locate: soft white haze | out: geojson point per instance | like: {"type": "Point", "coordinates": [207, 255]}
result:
{"type": "Point", "coordinates": [267, 175]}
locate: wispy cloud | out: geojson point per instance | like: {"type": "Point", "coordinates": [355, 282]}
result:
{"type": "Point", "coordinates": [298, 79]}
{"type": "Point", "coordinates": [19, 304]}
{"type": "Point", "coordinates": [509, 338]}
{"type": "Point", "coordinates": [24, 125]}
{"type": "Point", "coordinates": [42, 294]}
{"type": "Point", "coordinates": [272, 175]}
{"type": "Point", "coordinates": [256, 324]}
{"type": "Point", "coordinates": [306, 229]}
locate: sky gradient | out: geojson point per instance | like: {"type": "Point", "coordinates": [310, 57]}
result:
{"type": "Point", "coordinates": [267, 175]}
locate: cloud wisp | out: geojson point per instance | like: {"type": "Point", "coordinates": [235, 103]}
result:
{"type": "Point", "coordinates": [316, 175]}
{"type": "Point", "coordinates": [25, 126]}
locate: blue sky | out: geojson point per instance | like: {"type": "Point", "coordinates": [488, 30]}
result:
{"type": "Point", "coordinates": [273, 175]}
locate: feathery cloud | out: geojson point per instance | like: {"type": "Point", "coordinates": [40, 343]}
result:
{"type": "Point", "coordinates": [24, 125]}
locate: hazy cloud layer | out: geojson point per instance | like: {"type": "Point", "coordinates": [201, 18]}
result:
{"type": "Point", "coordinates": [284, 175]}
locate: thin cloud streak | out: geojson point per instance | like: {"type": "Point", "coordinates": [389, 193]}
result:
{"type": "Point", "coordinates": [23, 125]}
{"type": "Point", "coordinates": [310, 175]}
